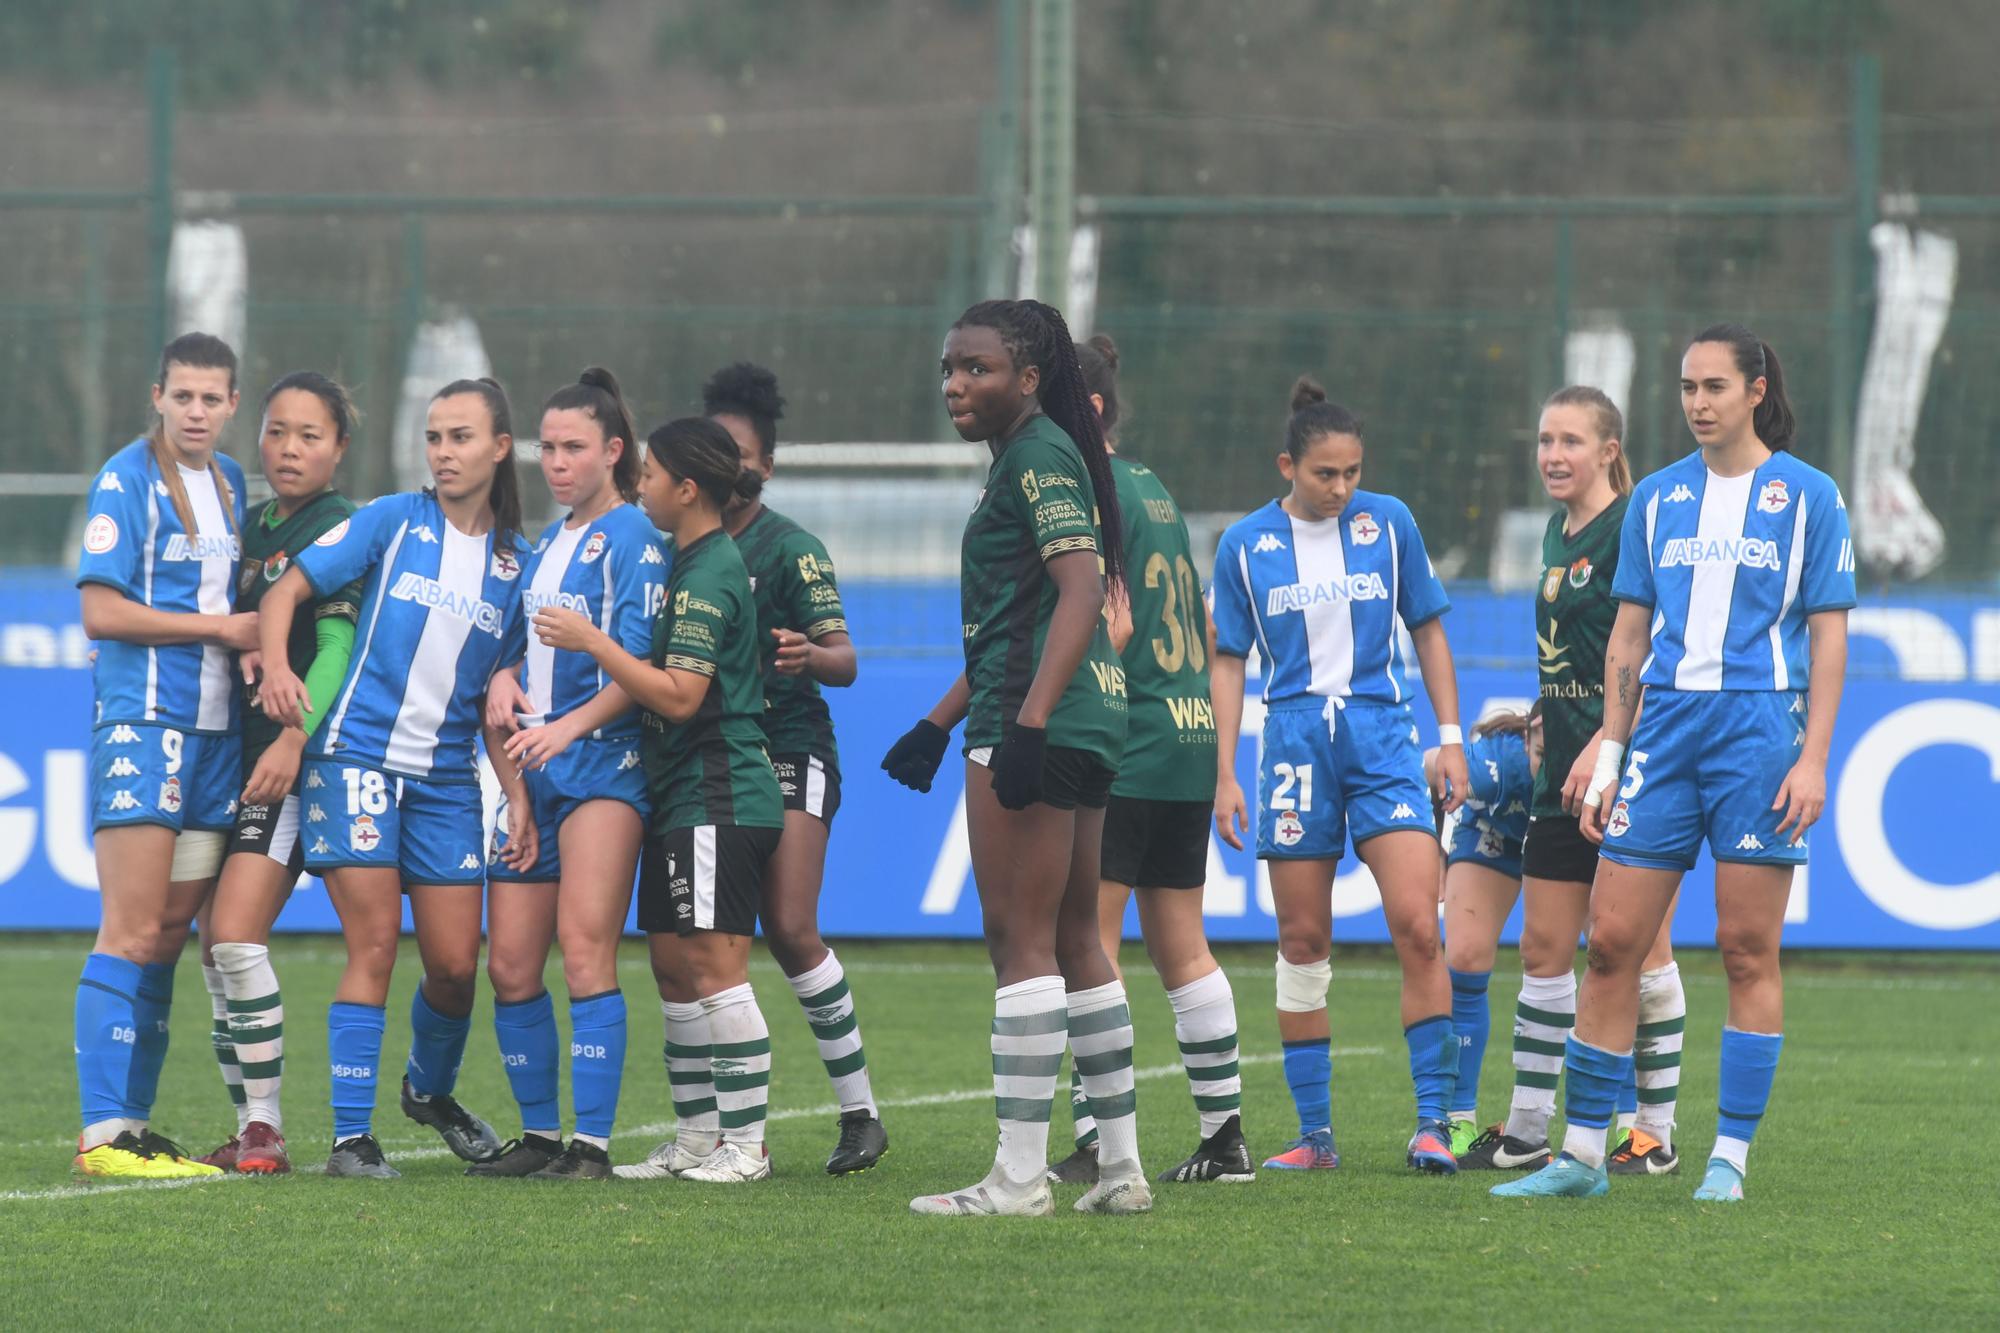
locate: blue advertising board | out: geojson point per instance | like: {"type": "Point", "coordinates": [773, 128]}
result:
{"type": "Point", "coordinates": [1896, 861]}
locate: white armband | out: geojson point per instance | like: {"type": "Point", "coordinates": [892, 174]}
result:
{"type": "Point", "coordinates": [1450, 733]}
{"type": "Point", "coordinates": [1610, 758]}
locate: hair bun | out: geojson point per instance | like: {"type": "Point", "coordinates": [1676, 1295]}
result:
{"type": "Point", "coordinates": [1305, 392]}
{"type": "Point", "coordinates": [488, 379]}
{"type": "Point", "coordinates": [1105, 348]}
{"type": "Point", "coordinates": [599, 378]}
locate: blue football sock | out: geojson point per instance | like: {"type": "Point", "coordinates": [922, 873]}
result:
{"type": "Point", "coordinates": [437, 1044]}
{"type": "Point", "coordinates": [152, 1004]}
{"type": "Point", "coordinates": [1433, 1063]}
{"type": "Point", "coordinates": [596, 1060]}
{"type": "Point", "coordinates": [1591, 1089]}
{"type": "Point", "coordinates": [1309, 1071]}
{"type": "Point", "coordinates": [106, 998]}
{"type": "Point", "coordinates": [526, 1030]}
{"type": "Point", "coordinates": [354, 1048]}
{"type": "Point", "coordinates": [1749, 1064]}
{"type": "Point", "coordinates": [1469, 1024]}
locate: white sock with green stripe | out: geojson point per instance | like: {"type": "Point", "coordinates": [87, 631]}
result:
{"type": "Point", "coordinates": [224, 1044]}
{"type": "Point", "coordinates": [1030, 1026]}
{"type": "Point", "coordinates": [256, 1027]}
{"type": "Point", "coordinates": [1205, 1027]}
{"type": "Point", "coordinates": [740, 1059]}
{"type": "Point", "coordinates": [1100, 1038]}
{"type": "Point", "coordinates": [1083, 1125]}
{"type": "Point", "coordinates": [1657, 1050]}
{"type": "Point", "coordinates": [829, 1007]}
{"type": "Point", "coordinates": [690, 1080]}
{"type": "Point", "coordinates": [1542, 1020]}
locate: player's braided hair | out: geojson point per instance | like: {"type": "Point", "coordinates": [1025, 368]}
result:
{"type": "Point", "coordinates": [1036, 335]}
{"type": "Point", "coordinates": [1099, 359]}
{"type": "Point", "coordinates": [596, 392]}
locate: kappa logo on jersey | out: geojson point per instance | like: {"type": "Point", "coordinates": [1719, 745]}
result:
{"type": "Point", "coordinates": [1402, 811]}
{"type": "Point", "coordinates": [1755, 552]}
{"type": "Point", "coordinates": [1289, 831]}
{"type": "Point", "coordinates": [1349, 588]}
{"type": "Point", "coordinates": [1773, 498]}
{"type": "Point", "coordinates": [470, 862]}
{"type": "Point", "coordinates": [414, 587]}
{"type": "Point", "coordinates": [362, 835]}
{"type": "Point", "coordinates": [1678, 494]}
{"type": "Point", "coordinates": [122, 767]}
{"type": "Point", "coordinates": [170, 796]}
{"type": "Point", "coordinates": [1364, 529]}
{"type": "Point", "coordinates": [100, 535]}
{"type": "Point", "coordinates": [1749, 842]}
{"type": "Point", "coordinates": [332, 536]}
{"type": "Point", "coordinates": [630, 759]}
{"type": "Point", "coordinates": [180, 546]}
{"type": "Point", "coordinates": [109, 482]}
{"type": "Point", "coordinates": [124, 735]}
{"type": "Point", "coordinates": [160, 489]}
{"type": "Point", "coordinates": [313, 779]}
{"type": "Point", "coordinates": [1267, 542]}
{"type": "Point", "coordinates": [1621, 820]}
{"type": "Point", "coordinates": [1580, 572]}
{"type": "Point", "coordinates": [505, 566]}
{"type": "Point", "coordinates": [124, 800]}
{"type": "Point", "coordinates": [651, 556]}
{"type": "Point", "coordinates": [593, 546]}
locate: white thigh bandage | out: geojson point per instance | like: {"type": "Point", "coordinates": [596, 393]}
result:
{"type": "Point", "coordinates": [1302, 987]}
{"type": "Point", "coordinates": [197, 855]}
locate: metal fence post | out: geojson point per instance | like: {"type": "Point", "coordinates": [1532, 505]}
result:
{"type": "Point", "coordinates": [1854, 264]}
{"type": "Point", "coordinates": [160, 184]}
{"type": "Point", "coordinates": [1052, 144]}
{"type": "Point", "coordinates": [1000, 158]}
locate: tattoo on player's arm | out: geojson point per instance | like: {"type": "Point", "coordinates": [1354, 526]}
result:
{"type": "Point", "coordinates": [1626, 696]}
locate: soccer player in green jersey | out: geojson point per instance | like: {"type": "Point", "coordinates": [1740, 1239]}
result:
{"type": "Point", "coordinates": [717, 816]}
{"type": "Point", "coordinates": [1043, 700]}
{"type": "Point", "coordinates": [307, 423]}
{"type": "Point", "coordinates": [1581, 457]}
{"type": "Point", "coordinates": [803, 643]}
{"type": "Point", "coordinates": [1156, 825]}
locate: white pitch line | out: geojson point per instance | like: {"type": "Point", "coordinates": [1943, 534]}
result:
{"type": "Point", "coordinates": [81, 1191]}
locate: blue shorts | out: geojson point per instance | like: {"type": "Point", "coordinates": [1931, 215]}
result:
{"type": "Point", "coordinates": [606, 770]}
{"type": "Point", "coordinates": [1328, 772]}
{"type": "Point", "coordinates": [1708, 764]}
{"type": "Point", "coordinates": [1483, 845]}
{"type": "Point", "coordinates": [145, 773]}
{"type": "Point", "coordinates": [431, 832]}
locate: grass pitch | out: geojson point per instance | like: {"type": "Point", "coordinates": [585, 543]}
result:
{"type": "Point", "coordinates": [1865, 1207]}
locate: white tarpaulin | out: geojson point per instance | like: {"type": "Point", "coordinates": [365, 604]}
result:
{"type": "Point", "coordinates": [208, 274]}
{"type": "Point", "coordinates": [1915, 273]}
{"type": "Point", "coordinates": [442, 351]}
{"type": "Point", "coordinates": [1080, 307]}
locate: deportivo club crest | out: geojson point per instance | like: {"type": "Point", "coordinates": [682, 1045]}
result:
{"type": "Point", "coordinates": [1364, 529]}
{"type": "Point", "coordinates": [505, 566]}
{"type": "Point", "coordinates": [1773, 498]}
{"type": "Point", "coordinates": [593, 547]}
{"type": "Point", "coordinates": [1579, 573]}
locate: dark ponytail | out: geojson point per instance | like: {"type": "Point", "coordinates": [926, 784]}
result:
{"type": "Point", "coordinates": [1099, 359]}
{"type": "Point", "coordinates": [1313, 416]}
{"type": "Point", "coordinates": [505, 497]}
{"type": "Point", "coordinates": [1036, 335]}
{"type": "Point", "coordinates": [749, 391]}
{"type": "Point", "coordinates": [698, 450]}
{"type": "Point", "coordinates": [596, 392]}
{"type": "Point", "coordinates": [1774, 423]}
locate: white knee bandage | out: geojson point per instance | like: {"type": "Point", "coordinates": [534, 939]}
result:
{"type": "Point", "coordinates": [197, 855]}
{"type": "Point", "coordinates": [1302, 986]}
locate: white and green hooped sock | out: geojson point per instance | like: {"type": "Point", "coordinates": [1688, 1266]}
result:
{"type": "Point", "coordinates": [1205, 1027]}
{"type": "Point", "coordinates": [224, 1043]}
{"type": "Point", "coordinates": [829, 1007]}
{"type": "Point", "coordinates": [256, 1027]}
{"type": "Point", "coordinates": [689, 1077]}
{"type": "Point", "coordinates": [1657, 1051]}
{"type": "Point", "coordinates": [1100, 1035]}
{"type": "Point", "coordinates": [740, 1059]}
{"type": "Point", "coordinates": [1543, 1017]}
{"type": "Point", "coordinates": [1030, 1027]}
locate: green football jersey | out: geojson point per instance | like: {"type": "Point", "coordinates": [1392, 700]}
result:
{"type": "Point", "coordinates": [1573, 617]}
{"type": "Point", "coordinates": [1037, 505]}
{"type": "Point", "coordinates": [712, 769]}
{"type": "Point", "coordinates": [1170, 746]}
{"type": "Point", "coordinates": [270, 540]}
{"type": "Point", "coordinates": [791, 579]}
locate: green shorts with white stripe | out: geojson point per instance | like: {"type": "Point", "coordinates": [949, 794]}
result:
{"type": "Point", "coordinates": [708, 877]}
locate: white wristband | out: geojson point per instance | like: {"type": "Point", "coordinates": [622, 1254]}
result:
{"type": "Point", "coordinates": [1450, 734]}
{"type": "Point", "coordinates": [1610, 758]}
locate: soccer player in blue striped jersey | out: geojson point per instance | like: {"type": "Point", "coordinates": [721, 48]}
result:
{"type": "Point", "coordinates": [1318, 584]}
{"type": "Point", "coordinates": [574, 733]}
{"type": "Point", "coordinates": [1735, 576]}
{"type": "Point", "coordinates": [158, 577]}
{"type": "Point", "coordinates": [391, 789]}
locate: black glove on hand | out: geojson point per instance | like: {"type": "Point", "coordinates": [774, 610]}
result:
{"type": "Point", "coordinates": [1017, 766]}
{"type": "Point", "coordinates": [913, 760]}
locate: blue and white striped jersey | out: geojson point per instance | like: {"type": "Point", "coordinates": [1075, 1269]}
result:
{"type": "Point", "coordinates": [134, 541]}
{"type": "Point", "coordinates": [1502, 784]}
{"type": "Point", "coordinates": [1320, 600]}
{"type": "Point", "coordinates": [1731, 567]}
{"type": "Point", "coordinates": [439, 612]}
{"type": "Point", "coordinates": [612, 570]}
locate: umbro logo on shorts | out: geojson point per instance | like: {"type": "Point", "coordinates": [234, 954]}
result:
{"type": "Point", "coordinates": [1402, 811]}
{"type": "Point", "coordinates": [1678, 494]}
{"type": "Point", "coordinates": [1270, 541]}
{"type": "Point", "coordinates": [470, 862]}
{"type": "Point", "coordinates": [121, 767]}
{"type": "Point", "coordinates": [1749, 842]}
{"type": "Point", "coordinates": [249, 833]}
{"type": "Point", "coordinates": [122, 735]}
{"type": "Point", "coordinates": [124, 800]}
